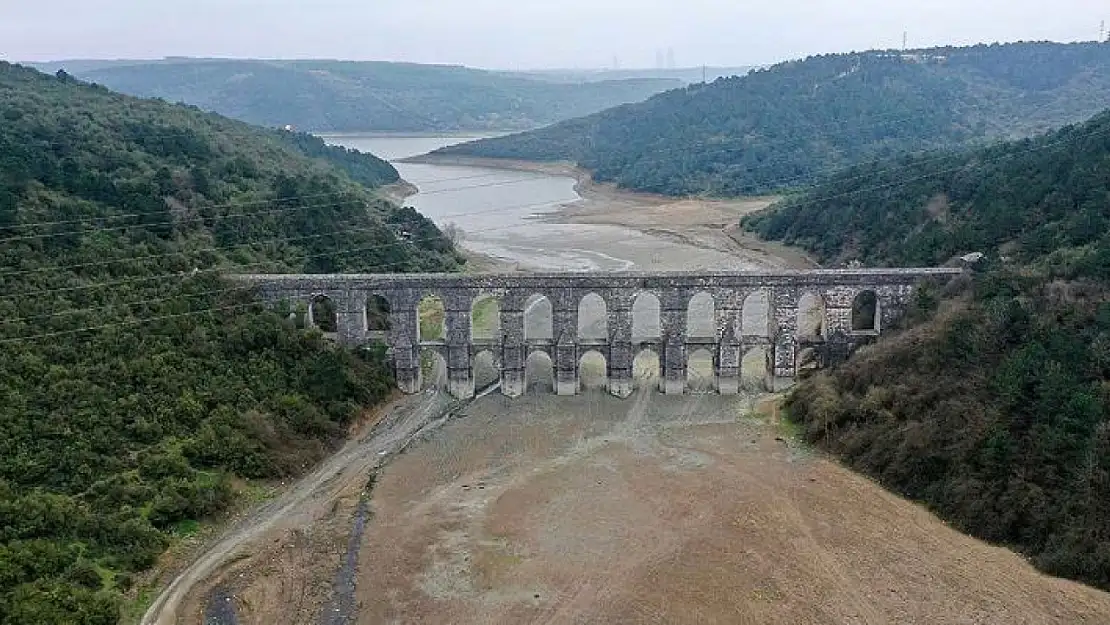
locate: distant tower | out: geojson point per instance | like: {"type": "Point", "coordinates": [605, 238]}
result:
{"type": "Point", "coordinates": [905, 39]}
{"type": "Point", "coordinates": [616, 62]}
{"type": "Point", "coordinates": [670, 58]}
{"type": "Point", "coordinates": [1102, 32]}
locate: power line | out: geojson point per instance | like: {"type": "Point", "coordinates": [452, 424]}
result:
{"type": "Point", "coordinates": [810, 200]}
{"type": "Point", "coordinates": [862, 175]}
{"type": "Point", "coordinates": [276, 211]}
{"type": "Point", "coordinates": [942, 155]}
{"type": "Point", "coordinates": [263, 242]}
{"type": "Point", "coordinates": [129, 322]}
{"type": "Point", "coordinates": [189, 252]}
{"type": "Point", "coordinates": [218, 291]}
{"type": "Point", "coordinates": [689, 147]}
{"type": "Point", "coordinates": [226, 205]}
{"type": "Point", "coordinates": [940, 151]}
{"type": "Point", "coordinates": [223, 269]}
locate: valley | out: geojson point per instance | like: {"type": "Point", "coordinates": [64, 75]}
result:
{"type": "Point", "coordinates": [345, 96]}
{"type": "Point", "coordinates": [785, 127]}
{"type": "Point", "coordinates": [652, 509]}
{"type": "Point", "coordinates": [301, 340]}
{"type": "Point", "coordinates": [536, 217]}
{"type": "Point", "coordinates": [705, 223]}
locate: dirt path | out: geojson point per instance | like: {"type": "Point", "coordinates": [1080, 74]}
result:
{"type": "Point", "coordinates": [591, 509]}
{"type": "Point", "coordinates": [310, 499]}
{"type": "Point", "coordinates": [670, 510]}
{"type": "Point", "coordinates": [290, 532]}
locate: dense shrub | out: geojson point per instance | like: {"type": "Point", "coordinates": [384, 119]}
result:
{"type": "Point", "coordinates": [994, 407]}
{"type": "Point", "coordinates": [135, 381]}
{"type": "Point", "coordinates": [787, 126]}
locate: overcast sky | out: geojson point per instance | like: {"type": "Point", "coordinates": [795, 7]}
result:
{"type": "Point", "coordinates": [523, 34]}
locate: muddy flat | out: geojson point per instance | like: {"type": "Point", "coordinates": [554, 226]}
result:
{"type": "Point", "coordinates": [701, 223]}
{"type": "Point", "coordinates": [669, 510]}
{"type": "Point", "coordinates": [591, 509]}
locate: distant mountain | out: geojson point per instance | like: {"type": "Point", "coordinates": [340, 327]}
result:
{"type": "Point", "coordinates": [685, 75]}
{"type": "Point", "coordinates": [788, 125]}
{"type": "Point", "coordinates": [345, 96]}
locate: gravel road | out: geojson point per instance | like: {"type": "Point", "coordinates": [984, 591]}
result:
{"type": "Point", "coordinates": [309, 498]}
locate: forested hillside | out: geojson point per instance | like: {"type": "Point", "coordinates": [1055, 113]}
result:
{"type": "Point", "coordinates": [136, 383]}
{"type": "Point", "coordinates": [681, 75]}
{"type": "Point", "coordinates": [347, 96]}
{"type": "Point", "coordinates": [788, 125]}
{"type": "Point", "coordinates": [993, 407]}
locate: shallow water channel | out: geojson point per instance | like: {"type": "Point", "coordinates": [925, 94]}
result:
{"type": "Point", "coordinates": [496, 211]}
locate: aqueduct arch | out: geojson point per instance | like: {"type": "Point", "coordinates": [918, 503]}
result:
{"type": "Point", "coordinates": [734, 299]}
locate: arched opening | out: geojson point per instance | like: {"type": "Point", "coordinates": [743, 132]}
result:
{"type": "Point", "coordinates": [645, 369]}
{"type": "Point", "coordinates": [592, 371]}
{"type": "Point", "coordinates": [756, 316]}
{"type": "Point", "coordinates": [539, 374]}
{"type": "Point", "coordinates": [808, 362]}
{"type": "Point", "coordinates": [538, 319]}
{"type": "Point", "coordinates": [324, 314]}
{"type": "Point", "coordinates": [483, 369]}
{"type": "Point", "coordinates": [811, 316]}
{"type": "Point", "coordinates": [433, 370]}
{"type": "Point", "coordinates": [485, 318]}
{"type": "Point", "coordinates": [377, 314]}
{"type": "Point", "coordinates": [432, 319]}
{"type": "Point", "coordinates": [701, 317]}
{"type": "Point", "coordinates": [593, 318]}
{"type": "Point", "coordinates": [754, 369]}
{"type": "Point", "coordinates": [865, 312]}
{"type": "Point", "coordinates": [700, 376]}
{"type": "Point", "coordinates": [645, 318]}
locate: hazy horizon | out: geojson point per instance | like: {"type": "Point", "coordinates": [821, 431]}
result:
{"type": "Point", "coordinates": [526, 36]}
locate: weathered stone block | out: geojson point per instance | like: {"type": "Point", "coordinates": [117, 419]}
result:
{"type": "Point", "coordinates": [512, 383]}
{"type": "Point", "coordinates": [838, 290]}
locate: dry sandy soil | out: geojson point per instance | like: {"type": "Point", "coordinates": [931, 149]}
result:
{"type": "Point", "coordinates": [669, 510]}
{"type": "Point", "coordinates": [649, 510]}
{"type": "Point", "coordinates": [276, 563]}
{"type": "Point", "coordinates": [596, 510]}
{"type": "Point", "coordinates": [701, 222]}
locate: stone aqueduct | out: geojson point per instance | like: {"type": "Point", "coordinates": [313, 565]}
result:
{"type": "Point", "coordinates": [781, 339]}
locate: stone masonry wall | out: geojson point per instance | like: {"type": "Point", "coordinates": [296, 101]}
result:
{"type": "Point", "coordinates": [836, 289]}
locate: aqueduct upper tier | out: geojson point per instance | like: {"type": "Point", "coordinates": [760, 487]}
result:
{"type": "Point", "coordinates": [783, 332]}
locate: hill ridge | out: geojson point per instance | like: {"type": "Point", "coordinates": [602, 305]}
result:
{"type": "Point", "coordinates": [363, 96]}
{"type": "Point", "coordinates": [773, 124]}
{"type": "Point", "coordinates": [139, 388]}
{"type": "Point", "coordinates": [992, 406]}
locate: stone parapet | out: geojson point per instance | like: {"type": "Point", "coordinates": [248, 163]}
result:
{"type": "Point", "coordinates": [836, 289]}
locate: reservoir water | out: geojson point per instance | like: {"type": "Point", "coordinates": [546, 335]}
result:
{"type": "Point", "coordinates": [497, 210]}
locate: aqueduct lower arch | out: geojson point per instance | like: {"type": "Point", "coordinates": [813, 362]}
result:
{"type": "Point", "coordinates": [838, 290]}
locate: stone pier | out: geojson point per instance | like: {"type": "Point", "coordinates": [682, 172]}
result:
{"type": "Point", "coordinates": [790, 334]}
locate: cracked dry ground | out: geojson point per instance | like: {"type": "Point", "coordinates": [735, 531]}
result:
{"type": "Point", "coordinates": [669, 510]}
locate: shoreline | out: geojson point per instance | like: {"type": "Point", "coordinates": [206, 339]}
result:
{"type": "Point", "coordinates": [399, 191]}
{"type": "Point", "coordinates": [706, 223]}
{"type": "Point", "coordinates": [480, 133]}
{"type": "Point", "coordinates": [402, 190]}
